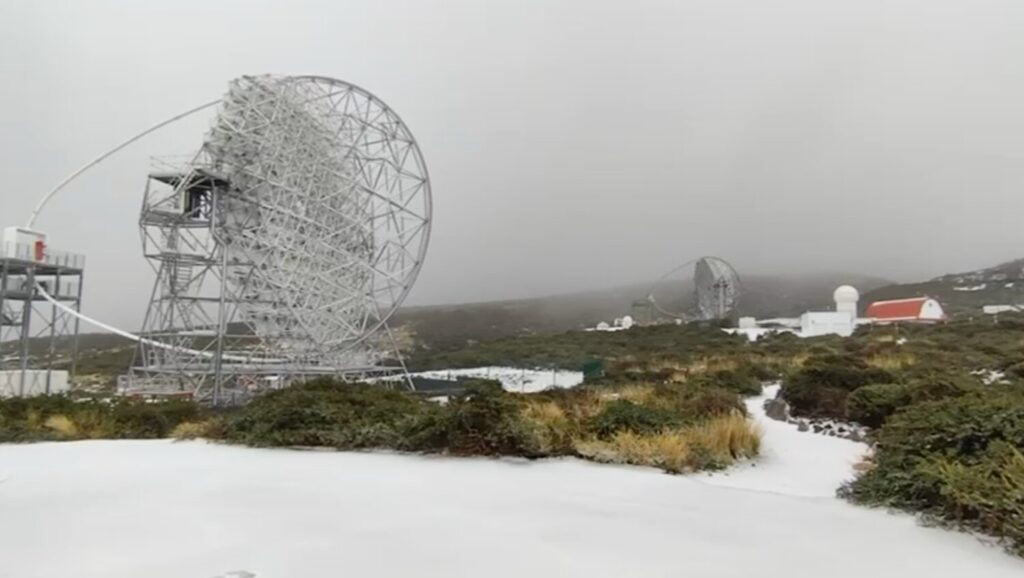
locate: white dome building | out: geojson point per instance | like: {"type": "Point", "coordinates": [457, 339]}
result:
{"type": "Point", "coordinates": [846, 298]}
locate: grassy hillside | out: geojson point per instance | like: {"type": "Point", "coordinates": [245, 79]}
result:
{"type": "Point", "coordinates": [963, 294]}
{"type": "Point", "coordinates": [443, 326]}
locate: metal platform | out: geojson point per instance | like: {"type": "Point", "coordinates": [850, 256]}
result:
{"type": "Point", "coordinates": [31, 328]}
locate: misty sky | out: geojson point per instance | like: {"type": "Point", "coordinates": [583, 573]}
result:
{"type": "Point", "coordinates": [571, 144]}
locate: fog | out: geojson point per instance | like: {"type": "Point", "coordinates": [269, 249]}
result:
{"type": "Point", "coordinates": [572, 145]}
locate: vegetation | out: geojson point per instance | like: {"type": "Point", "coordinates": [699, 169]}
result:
{"type": "Point", "coordinates": [945, 402]}
{"type": "Point", "coordinates": [676, 427]}
{"type": "Point", "coordinates": [53, 418]}
{"type": "Point", "coordinates": [957, 460]}
{"type": "Point", "coordinates": [680, 427]}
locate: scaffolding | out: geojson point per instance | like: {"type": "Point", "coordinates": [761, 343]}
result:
{"type": "Point", "coordinates": [38, 339]}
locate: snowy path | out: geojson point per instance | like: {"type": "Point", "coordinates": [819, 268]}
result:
{"type": "Point", "coordinates": [792, 462]}
{"type": "Point", "coordinates": [196, 510]}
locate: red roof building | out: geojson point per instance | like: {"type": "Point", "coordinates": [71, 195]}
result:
{"type": "Point", "coordinates": [915, 310]}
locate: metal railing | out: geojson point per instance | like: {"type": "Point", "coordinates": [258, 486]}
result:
{"type": "Point", "coordinates": [25, 252]}
{"type": "Point", "coordinates": [19, 284]}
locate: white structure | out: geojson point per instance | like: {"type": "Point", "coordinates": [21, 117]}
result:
{"type": "Point", "coordinates": [846, 298]}
{"type": "Point", "coordinates": [997, 309]}
{"type": "Point", "coordinates": [37, 382]}
{"type": "Point", "coordinates": [839, 322]}
{"type": "Point", "coordinates": [816, 323]}
{"type": "Point", "coordinates": [24, 244]}
{"type": "Point", "coordinates": [842, 321]}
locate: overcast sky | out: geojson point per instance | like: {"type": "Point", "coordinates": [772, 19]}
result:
{"type": "Point", "coordinates": [571, 144]}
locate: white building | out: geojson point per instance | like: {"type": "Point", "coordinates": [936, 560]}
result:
{"type": "Point", "coordinates": [997, 309]}
{"type": "Point", "coordinates": [815, 323]}
{"type": "Point", "coordinates": [842, 321]}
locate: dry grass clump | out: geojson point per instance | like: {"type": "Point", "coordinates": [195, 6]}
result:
{"type": "Point", "coordinates": [712, 364]}
{"type": "Point", "coordinates": [63, 426]}
{"type": "Point", "coordinates": [715, 443]}
{"type": "Point", "coordinates": [636, 393]}
{"type": "Point", "coordinates": [891, 361]}
{"type": "Point", "coordinates": [85, 425]}
{"type": "Point", "coordinates": [729, 437]}
{"type": "Point", "coordinates": [190, 430]}
{"type": "Point", "coordinates": [552, 428]}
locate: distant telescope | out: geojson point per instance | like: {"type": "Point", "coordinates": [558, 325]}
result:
{"type": "Point", "coordinates": [716, 290]}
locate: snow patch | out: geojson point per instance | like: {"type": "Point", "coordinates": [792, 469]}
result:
{"type": "Point", "coordinates": [990, 376]}
{"type": "Point", "coordinates": [512, 379]}
{"type": "Point", "coordinates": [792, 462]}
{"type": "Point", "coordinates": [193, 509]}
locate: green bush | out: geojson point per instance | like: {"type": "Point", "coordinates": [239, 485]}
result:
{"type": "Point", "coordinates": [25, 419]}
{"type": "Point", "coordinates": [623, 415]}
{"type": "Point", "coordinates": [870, 405]}
{"type": "Point", "coordinates": [742, 381]}
{"type": "Point", "coordinates": [141, 420]}
{"type": "Point", "coordinates": [821, 386]}
{"type": "Point", "coordinates": [484, 420]}
{"type": "Point", "coordinates": [954, 460]}
{"type": "Point", "coordinates": [326, 413]}
{"type": "Point", "coordinates": [990, 494]}
{"type": "Point", "coordinates": [689, 403]}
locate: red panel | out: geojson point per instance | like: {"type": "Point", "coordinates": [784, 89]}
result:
{"type": "Point", "coordinates": [896, 309]}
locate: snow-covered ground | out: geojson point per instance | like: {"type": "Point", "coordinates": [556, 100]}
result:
{"type": "Point", "coordinates": [793, 463]}
{"type": "Point", "coordinates": [513, 379]}
{"type": "Point", "coordinates": [192, 509]}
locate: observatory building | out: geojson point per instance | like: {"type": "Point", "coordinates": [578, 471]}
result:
{"type": "Point", "coordinates": [914, 310]}
{"type": "Point", "coordinates": [842, 321]}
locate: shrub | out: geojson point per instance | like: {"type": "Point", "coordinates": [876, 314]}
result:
{"type": "Point", "coordinates": [821, 386]}
{"type": "Point", "coordinates": [63, 418]}
{"type": "Point", "coordinates": [872, 404]}
{"type": "Point", "coordinates": [485, 420]}
{"type": "Point", "coordinates": [623, 415]}
{"type": "Point", "coordinates": [691, 404]}
{"type": "Point", "coordinates": [953, 459]}
{"type": "Point", "coordinates": [990, 494]}
{"type": "Point", "coordinates": [743, 382]}
{"type": "Point", "coordinates": [325, 413]}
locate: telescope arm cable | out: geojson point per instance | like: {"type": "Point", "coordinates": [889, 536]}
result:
{"type": "Point", "coordinates": [95, 322]}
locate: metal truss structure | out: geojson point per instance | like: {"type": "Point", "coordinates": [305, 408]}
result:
{"type": "Point", "coordinates": [717, 288]}
{"type": "Point", "coordinates": [32, 329]}
{"type": "Point", "coordinates": [282, 248]}
{"type": "Point", "coordinates": [716, 291]}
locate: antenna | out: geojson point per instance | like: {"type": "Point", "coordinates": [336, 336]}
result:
{"type": "Point", "coordinates": [710, 290]}
{"type": "Point", "coordinates": [283, 246]}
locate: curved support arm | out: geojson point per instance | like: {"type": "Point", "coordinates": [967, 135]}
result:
{"type": "Point", "coordinates": [53, 192]}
